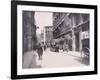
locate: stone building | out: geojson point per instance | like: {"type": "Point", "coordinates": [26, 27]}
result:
{"type": "Point", "coordinates": [42, 36]}
{"type": "Point", "coordinates": [72, 28]}
{"type": "Point", "coordinates": [29, 31]}
{"type": "Point", "coordinates": [48, 35]}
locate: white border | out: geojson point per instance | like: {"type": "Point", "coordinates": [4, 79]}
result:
{"type": "Point", "coordinates": [21, 71]}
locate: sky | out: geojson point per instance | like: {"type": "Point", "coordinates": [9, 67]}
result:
{"type": "Point", "coordinates": [43, 19]}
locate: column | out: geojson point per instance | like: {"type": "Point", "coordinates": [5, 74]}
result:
{"type": "Point", "coordinates": [44, 37]}
{"type": "Point", "coordinates": [80, 39]}
{"type": "Point", "coordinates": [73, 40]}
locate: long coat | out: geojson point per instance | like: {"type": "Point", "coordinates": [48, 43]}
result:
{"type": "Point", "coordinates": [40, 50]}
{"type": "Point", "coordinates": [65, 47]}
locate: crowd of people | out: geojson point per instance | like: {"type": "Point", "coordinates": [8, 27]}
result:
{"type": "Point", "coordinates": [56, 47]}
{"type": "Point", "coordinates": [40, 48]}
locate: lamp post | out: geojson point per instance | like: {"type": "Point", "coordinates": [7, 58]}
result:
{"type": "Point", "coordinates": [44, 36]}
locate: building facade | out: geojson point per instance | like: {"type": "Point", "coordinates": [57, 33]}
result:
{"type": "Point", "coordinates": [29, 31]}
{"type": "Point", "coordinates": [72, 29]}
{"type": "Point", "coordinates": [48, 35]}
{"type": "Point", "coordinates": [42, 36]}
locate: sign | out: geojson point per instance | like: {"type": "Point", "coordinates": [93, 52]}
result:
{"type": "Point", "coordinates": [85, 35]}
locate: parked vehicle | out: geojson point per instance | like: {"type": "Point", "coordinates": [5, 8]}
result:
{"type": "Point", "coordinates": [85, 53]}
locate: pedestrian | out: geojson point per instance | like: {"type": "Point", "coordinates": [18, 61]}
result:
{"type": "Point", "coordinates": [57, 48]}
{"type": "Point", "coordinates": [40, 51]}
{"type": "Point", "coordinates": [44, 47]}
{"type": "Point", "coordinates": [65, 47]}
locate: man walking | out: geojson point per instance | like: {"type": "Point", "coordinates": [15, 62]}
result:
{"type": "Point", "coordinates": [40, 51]}
{"type": "Point", "coordinates": [65, 47]}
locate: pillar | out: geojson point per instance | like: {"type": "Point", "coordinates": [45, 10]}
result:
{"type": "Point", "coordinates": [73, 40]}
{"type": "Point", "coordinates": [80, 39]}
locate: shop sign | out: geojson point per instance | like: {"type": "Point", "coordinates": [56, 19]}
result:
{"type": "Point", "coordinates": [85, 35]}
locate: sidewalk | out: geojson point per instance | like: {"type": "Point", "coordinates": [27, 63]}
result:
{"type": "Point", "coordinates": [30, 60]}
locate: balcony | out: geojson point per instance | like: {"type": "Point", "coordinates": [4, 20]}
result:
{"type": "Point", "coordinates": [58, 21]}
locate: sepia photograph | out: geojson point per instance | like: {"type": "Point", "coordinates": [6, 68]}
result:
{"type": "Point", "coordinates": [50, 40]}
{"type": "Point", "coordinates": [55, 39]}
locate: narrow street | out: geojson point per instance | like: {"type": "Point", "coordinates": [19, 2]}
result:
{"type": "Point", "coordinates": [58, 31]}
{"type": "Point", "coordinates": [52, 59]}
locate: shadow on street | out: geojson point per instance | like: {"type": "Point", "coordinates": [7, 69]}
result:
{"type": "Point", "coordinates": [82, 60]}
